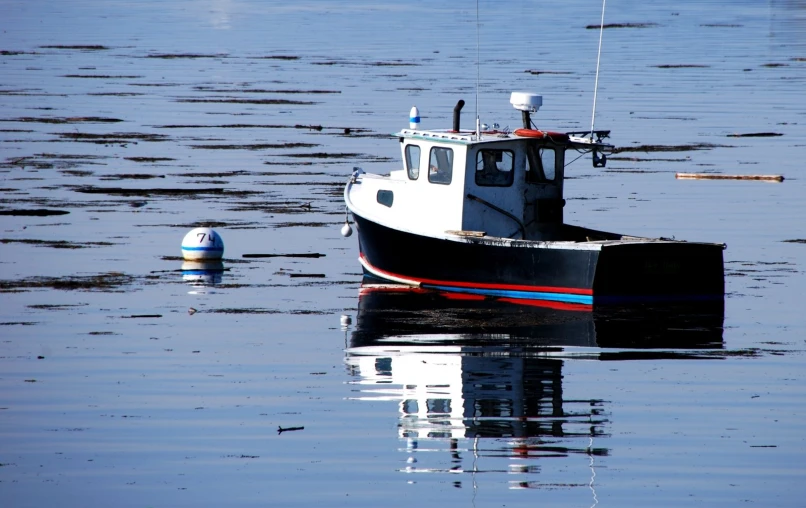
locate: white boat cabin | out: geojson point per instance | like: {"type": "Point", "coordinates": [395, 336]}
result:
{"type": "Point", "coordinates": [495, 184]}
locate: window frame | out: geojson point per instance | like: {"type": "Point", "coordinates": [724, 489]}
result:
{"type": "Point", "coordinates": [409, 159]}
{"type": "Point", "coordinates": [482, 172]}
{"type": "Point", "coordinates": [441, 167]}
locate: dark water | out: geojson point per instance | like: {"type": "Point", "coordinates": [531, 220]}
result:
{"type": "Point", "coordinates": [125, 381]}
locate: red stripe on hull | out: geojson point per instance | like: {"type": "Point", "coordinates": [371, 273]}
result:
{"type": "Point", "coordinates": [482, 285]}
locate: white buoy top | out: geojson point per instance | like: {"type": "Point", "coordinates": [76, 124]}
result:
{"type": "Point", "coordinates": [202, 244]}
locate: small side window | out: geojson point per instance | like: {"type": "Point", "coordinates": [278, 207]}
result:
{"type": "Point", "coordinates": [413, 161]}
{"type": "Point", "coordinates": [495, 168]}
{"type": "Point", "coordinates": [540, 163]}
{"type": "Point", "coordinates": [547, 157]}
{"type": "Point", "coordinates": [385, 197]}
{"type": "Point", "coordinates": [440, 165]}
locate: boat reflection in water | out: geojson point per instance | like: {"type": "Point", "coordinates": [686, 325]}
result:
{"type": "Point", "coordinates": [479, 381]}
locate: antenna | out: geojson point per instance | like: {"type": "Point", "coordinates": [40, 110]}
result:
{"type": "Point", "coordinates": [598, 59]}
{"type": "Point", "coordinates": [478, 73]}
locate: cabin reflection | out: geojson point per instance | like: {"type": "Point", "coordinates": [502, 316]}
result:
{"type": "Point", "coordinates": [461, 370]}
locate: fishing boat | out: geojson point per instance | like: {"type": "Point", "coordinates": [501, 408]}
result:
{"type": "Point", "coordinates": [480, 212]}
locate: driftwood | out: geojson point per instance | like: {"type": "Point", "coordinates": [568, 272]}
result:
{"type": "Point", "coordinates": [712, 176]}
{"type": "Point", "coordinates": [302, 255]}
{"type": "Point", "coordinates": [280, 430]}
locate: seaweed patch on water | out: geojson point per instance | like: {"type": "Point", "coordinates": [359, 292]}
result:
{"type": "Point", "coordinates": [263, 90]}
{"type": "Point", "coordinates": [111, 138]}
{"type": "Point", "coordinates": [56, 244]}
{"type": "Point", "coordinates": [176, 192]}
{"type": "Point", "coordinates": [80, 173]}
{"type": "Point", "coordinates": [669, 148]}
{"type": "Point", "coordinates": [149, 159]}
{"type": "Point", "coordinates": [681, 66]}
{"type": "Point", "coordinates": [56, 306]}
{"type": "Point", "coordinates": [795, 240]}
{"type": "Point", "coordinates": [331, 155]}
{"type": "Point", "coordinates": [256, 146]}
{"type": "Point", "coordinates": [104, 282]}
{"type": "Point", "coordinates": [35, 212]}
{"type": "Point", "coordinates": [647, 159]}
{"type": "Point", "coordinates": [191, 56]}
{"type": "Point", "coordinates": [756, 135]}
{"type": "Point", "coordinates": [63, 120]}
{"type": "Point", "coordinates": [535, 72]}
{"type": "Point", "coordinates": [80, 47]}
{"type": "Point", "coordinates": [244, 310]}
{"type": "Point", "coordinates": [50, 160]}
{"type": "Point", "coordinates": [392, 63]}
{"type": "Point", "coordinates": [102, 76]}
{"type": "Point", "coordinates": [306, 224]}
{"type": "Point", "coordinates": [280, 102]}
{"type": "Point", "coordinates": [131, 176]}
{"type": "Point", "coordinates": [276, 57]}
{"type": "Point", "coordinates": [199, 224]}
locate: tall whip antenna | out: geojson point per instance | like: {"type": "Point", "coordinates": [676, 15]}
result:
{"type": "Point", "coordinates": [478, 73]}
{"type": "Point", "coordinates": [598, 59]}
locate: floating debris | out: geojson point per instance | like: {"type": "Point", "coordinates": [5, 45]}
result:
{"type": "Point", "coordinates": [302, 255]}
{"type": "Point", "coordinates": [795, 240]}
{"type": "Point", "coordinates": [81, 47]}
{"type": "Point", "coordinates": [713, 176]}
{"type": "Point", "coordinates": [280, 430]}
{"type": "Point", "coordinates": [756, 135]}
{"type": "Point", "coordinates": [135, 316]}
{"type": "Point", "coordinates": [668, 148]}
{"type": "Point", "coordinates": [38, 212]}
{"type": "Point", "coordinates": [622, 25]}
{"type": "Point", "coordinates": [307, 275]}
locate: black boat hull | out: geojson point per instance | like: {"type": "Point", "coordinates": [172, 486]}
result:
{"type": "Point", "coordinates": [618, 272]}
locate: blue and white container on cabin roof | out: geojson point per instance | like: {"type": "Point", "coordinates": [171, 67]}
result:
{"type": "Point", "coordinates": [414, 118]}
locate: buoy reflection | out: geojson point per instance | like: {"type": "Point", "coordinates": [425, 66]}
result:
{"type": "Point", "coordinates": [202, 274]}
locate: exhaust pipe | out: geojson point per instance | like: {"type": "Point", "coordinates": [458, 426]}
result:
{"type": "Point", "coordinates": [457, 114]}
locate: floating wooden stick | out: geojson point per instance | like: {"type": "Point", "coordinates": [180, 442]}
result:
{"type": "Point", "coordinates": [280, 430]}
{"type": "Point", "coordinates": [302, 255]}
{"type": "Point", "coordinates": [712, 176]}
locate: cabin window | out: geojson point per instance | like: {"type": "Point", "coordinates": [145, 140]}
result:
{"type": "Point", "coordinates": [440, 165]}
{"type": "Point", "coordinates": [413, 161]}
{"type": "Point", "coordinates": [541, 163]}
{"type": "Point", "coordinates": [495, 168]}
{"type": "Point", "coordinates": [385, 197]}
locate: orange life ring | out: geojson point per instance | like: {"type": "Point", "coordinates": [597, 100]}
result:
{"type": "Point", "coordinates": [533, 133]}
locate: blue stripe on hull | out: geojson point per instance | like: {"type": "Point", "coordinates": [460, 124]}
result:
{"type": "Point", "coordinates": [522, 295]}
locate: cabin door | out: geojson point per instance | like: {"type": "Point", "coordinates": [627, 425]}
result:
{"type": "Point", "coordinates": [543, 203]}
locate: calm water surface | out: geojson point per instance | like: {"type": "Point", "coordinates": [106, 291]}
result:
{"type": "Point", "coordinates": [126, 381]}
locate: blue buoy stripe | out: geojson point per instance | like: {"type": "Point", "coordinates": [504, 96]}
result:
{"type": "Point", "coordinates": [204, 249]}
{"type": "Point", "coordinates": [414, 119]}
